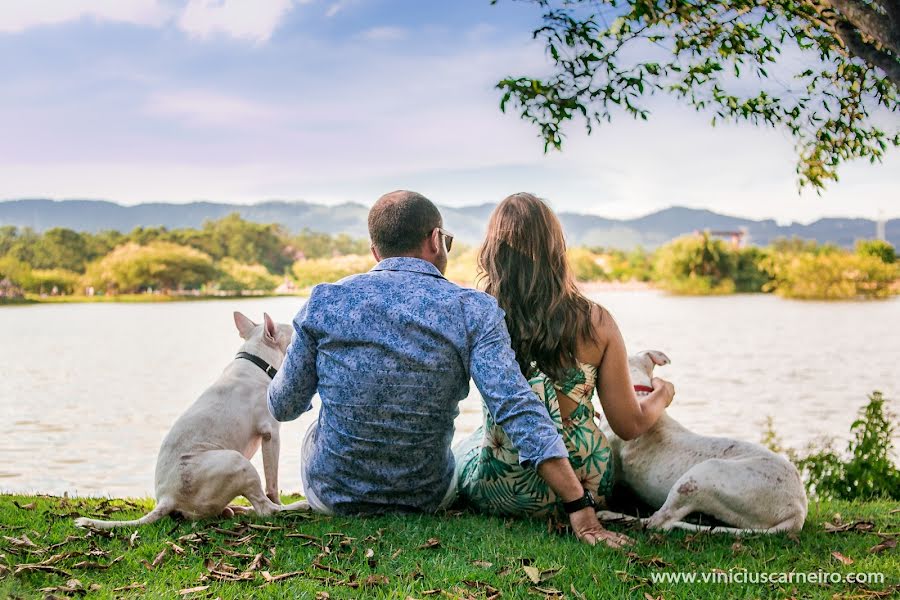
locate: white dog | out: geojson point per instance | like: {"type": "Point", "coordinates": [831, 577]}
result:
{"type": "Point", "coordinates": [204, 461]}
{"type": "Point", "coordinates": [679, 472]}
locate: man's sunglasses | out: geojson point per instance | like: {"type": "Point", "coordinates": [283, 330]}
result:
{"type": "Point", "coordinates": [447, 237]}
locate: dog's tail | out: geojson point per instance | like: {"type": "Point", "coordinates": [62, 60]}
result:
{"type": "Point", "coordinates": [786, 526]}
{"type": "Point", "coordinates": [163, 508]}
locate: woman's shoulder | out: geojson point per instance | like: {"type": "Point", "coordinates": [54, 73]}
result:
{"type": "Point", "coordinates": [602, 325]}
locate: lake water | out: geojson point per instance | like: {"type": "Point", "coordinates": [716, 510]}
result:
{"type": "Point", "coordinates": [87, 391]}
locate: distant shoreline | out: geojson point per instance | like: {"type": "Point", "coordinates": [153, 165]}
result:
{"type": "Point", "coordinates": [589, 287]}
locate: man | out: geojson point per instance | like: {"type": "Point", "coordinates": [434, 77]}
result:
{"type": "Point", "coordinates": [391, 353]}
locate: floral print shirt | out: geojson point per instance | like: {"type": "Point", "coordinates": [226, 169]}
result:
{"type": "Point", "coordinates": [391, 353]}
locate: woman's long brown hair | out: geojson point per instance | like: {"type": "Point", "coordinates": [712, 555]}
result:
{"type": "Point", "coordinates": [523, 265]}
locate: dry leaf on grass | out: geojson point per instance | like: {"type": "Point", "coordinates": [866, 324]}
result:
{"type": "Point", "coordinates": [375, 580]}
{"type": "Point", "coordinates": [20, 542]}
{"type": "Point", "coordinates": [39, 567]}
{"type": "Point", "coordinates": [654, 561]}
{"type": "Point", "coordinates": [431, 544]}
{"type": "Point", "coordinates": [130, 586]}
{"type": "Point", "coordinates": [841, 558]}
{"type": "Point", "coordinates": [885, 545]}
{"type": "Point", "coordinates": [840, 527]}
{"type": "Point", "coordinates": [482, 563]}
{"type": "Point", "coordinates": [90, 564]}
{"type": "Point", "coordinates": [175, 548]}
{"type": "Point", "coordinates": [265, 527]}
{"type": "Point", "coordinates": [156, 561]}
{"type": "Point", "coordinates": [193, 590]}
{"type": "Point", "coordinates": [548, 592]}
{"type": "Point", "coordinates": [273, 578]}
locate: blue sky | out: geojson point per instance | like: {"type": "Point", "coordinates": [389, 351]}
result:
{"type": "Point", "coordinates": [342, 100]}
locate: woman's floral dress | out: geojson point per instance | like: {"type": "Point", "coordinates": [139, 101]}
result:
{"type": "Point", "coordinates": [490, 477]}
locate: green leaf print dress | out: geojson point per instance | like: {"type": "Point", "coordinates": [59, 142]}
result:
{"type": "Point", "coordinates": [490, 477]}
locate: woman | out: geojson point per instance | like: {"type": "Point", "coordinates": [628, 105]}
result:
{"type": "Point", "coordinates": [566, 346]}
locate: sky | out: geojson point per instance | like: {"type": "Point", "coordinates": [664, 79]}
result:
{"type": "Point", "coordinates": [336, 101]}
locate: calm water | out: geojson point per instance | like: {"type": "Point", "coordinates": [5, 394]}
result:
{"type": "Point", "coordinates": [88, 391]}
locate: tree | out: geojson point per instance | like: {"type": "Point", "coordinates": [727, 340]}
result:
{"type": "Point", "coordinates": [696, 264]}
{"type": "Point", "coordinates": [717, 55]}
{"type": "Point", "coordinates": [158, 265]}
{"type": "Point", "coordinates": [878, 248]}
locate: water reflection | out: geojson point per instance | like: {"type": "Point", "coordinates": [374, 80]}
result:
{"type": "Point", "coordinates": [88, 391]}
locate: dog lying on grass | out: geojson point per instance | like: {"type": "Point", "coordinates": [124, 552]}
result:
{"type": "Point", "coordinates": [677, 472]}
{"type": "Point", "coordinates": [204, 461]}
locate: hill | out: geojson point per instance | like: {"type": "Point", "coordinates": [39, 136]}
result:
{"type": "Point", "coordinates": [468, 223]}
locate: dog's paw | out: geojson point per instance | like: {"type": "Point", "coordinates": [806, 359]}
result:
{"type": "Point", "coordinates": [83, 523]}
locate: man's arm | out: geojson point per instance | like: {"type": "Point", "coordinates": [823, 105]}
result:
{"type": "Point", "coordinates": [524, 418]}
{"type": "Point", "coordinates": [291, 392]}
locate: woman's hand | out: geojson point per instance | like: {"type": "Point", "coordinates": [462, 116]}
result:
{"type": "Point", "coordinates": [667, 387]}
{"type": "Point", "coordinates": [589, 530]}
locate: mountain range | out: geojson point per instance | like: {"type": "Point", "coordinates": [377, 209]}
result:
{"type": "Point", "coordinates": [467, 223]}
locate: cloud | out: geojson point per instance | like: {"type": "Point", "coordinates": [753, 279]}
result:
{"type": "Point", "coordinates": [206, 108]}
{"type": "Point", "coordinates": [384, 34]}
{"type": "Point", "coordinates": [340, 6]}
{"type": "Point", "coordinates": [19, 15]}
{"type": "Point", "coordinates": [253, 20]}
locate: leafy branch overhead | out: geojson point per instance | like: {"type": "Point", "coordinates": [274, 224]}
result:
{"type": "Point", "coordinates": [826, 71]}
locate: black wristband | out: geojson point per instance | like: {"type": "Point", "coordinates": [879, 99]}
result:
{"type": "Point", "coordinates": [583, 502]}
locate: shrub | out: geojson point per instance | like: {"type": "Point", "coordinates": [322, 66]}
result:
{"type": "Point", "coordinates": [696, 264]}
{"type": "Point", "coordinates": [749, 276]}
{"type": "Point", "coordinates": [43, 281]}
{"type": "Point", "coordinates": [585, 265]}
{"type": "Point", "coordinates": [236, 277]}
{"type": "Point", "coordinates": [158, 265]}
{"type": "Point", "coordinates": [829, 276]}
{"type": "Point", "coordinates": [867, 472]}
{"type": "Point", "coordinates": [878, 248]}
{"type": "Point", "coordinates": [326, 270]}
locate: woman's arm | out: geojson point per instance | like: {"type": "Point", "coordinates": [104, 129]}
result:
{"type": "Point", "coordinates": [628, 416]}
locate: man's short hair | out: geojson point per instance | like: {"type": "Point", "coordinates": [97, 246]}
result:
{"type": "Point", "coordinates": [399, 221]}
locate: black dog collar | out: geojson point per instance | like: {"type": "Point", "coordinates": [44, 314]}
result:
{"type": "Point", "coordinates": [269, 369]}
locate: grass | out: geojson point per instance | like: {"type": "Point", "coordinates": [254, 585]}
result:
{"type": "Point", "coordinates": [450, 556]}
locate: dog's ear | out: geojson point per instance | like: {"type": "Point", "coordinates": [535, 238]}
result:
{"type": "Point", "coordinates": [244, 325]}
{"type": "Point", "coordinates": [270, 328]}
{"type": "Point", "coordinates": [658, 358]}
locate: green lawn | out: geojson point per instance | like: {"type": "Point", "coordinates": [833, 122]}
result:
{"type": "Point", "coordinates": [450, 556]}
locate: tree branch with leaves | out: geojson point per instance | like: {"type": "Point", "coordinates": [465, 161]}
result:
{"type": "Point", "coordinates": [826, 71]}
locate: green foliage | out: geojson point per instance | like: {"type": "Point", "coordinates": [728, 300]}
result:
{"type": "Point", "coordinates": [697, 265]}
{"type": "Point", "coordinates": [322, 245]}
{"type": "Point", "coordinates": [611, 56]}
{"type": "Point", "coordinates": [52, 281]}
{"type": "Point", "coordinates": [866, 471]}
{"type": "Point", "coordinates": [326, 270]}
{"type": "Point", "coordinates": [830, 276]}
{"type": "Point", "coordinates": [158, 265]}
{"type": "Point", "coordinates": [18, 272]}
{"type": "Point", "coordinates": [237, 277]}
{"type": "Point", "coordinates": [878, 248]}
{"type": "Point", "coordinates": [749, 276]}
{"type": "Point", "coordinates": [585, 265]}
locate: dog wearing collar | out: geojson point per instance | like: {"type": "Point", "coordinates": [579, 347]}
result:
{"type": "Point", "coordinates": [677, 472]}
{"type": "Point", "coordinates": [204, 461]}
